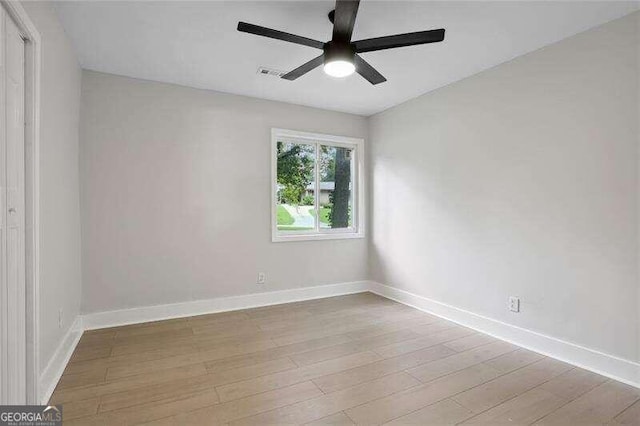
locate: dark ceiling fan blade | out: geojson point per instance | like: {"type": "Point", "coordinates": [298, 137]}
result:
{"type": "Point", "coordinates": [304, 68]}
{"type": "Point", "coordinates": [399, 40]}
{"type": "Point", "coordinates": [278, 35]}
{"type": "Point", "coordinates": [344, 19]}
{"type": "Point", "coordinates": [367, 71]}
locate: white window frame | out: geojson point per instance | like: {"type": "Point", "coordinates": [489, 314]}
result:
{"type": "Point", "coordinates": [358, 186]}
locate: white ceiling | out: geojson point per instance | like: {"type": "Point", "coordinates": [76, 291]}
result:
{"type": "Point", "coordinates": [196, 43]}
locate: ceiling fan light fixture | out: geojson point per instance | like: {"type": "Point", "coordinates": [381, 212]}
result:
{"type": "Point", "coordinates": [338, 59]}
{"type": "Point", "coordinates": [339, 68]}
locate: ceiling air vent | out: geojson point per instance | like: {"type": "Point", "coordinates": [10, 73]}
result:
{"type": "Point", "coordinates": [270, 71]}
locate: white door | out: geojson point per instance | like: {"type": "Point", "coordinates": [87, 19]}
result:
{"type": "Point", "coordinates": [12, 212]}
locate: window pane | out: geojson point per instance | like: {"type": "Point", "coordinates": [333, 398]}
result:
{"type": "Point", "coordinates": [295, 187]}
{"type": "Point", "coordinates": [335, 198]}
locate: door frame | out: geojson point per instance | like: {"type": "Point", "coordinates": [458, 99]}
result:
{"type": "Point", "coordinates": [33, 47]}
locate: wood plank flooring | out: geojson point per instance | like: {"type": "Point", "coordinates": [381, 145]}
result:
{"type": "Point", "coordinates": [357, 359]}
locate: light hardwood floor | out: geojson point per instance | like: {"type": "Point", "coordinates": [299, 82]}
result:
{"type": "Point", "coordinates": [357, 359]}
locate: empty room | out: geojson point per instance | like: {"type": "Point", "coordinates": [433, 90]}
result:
{"type": "Point", "coordinates": [319, 212]}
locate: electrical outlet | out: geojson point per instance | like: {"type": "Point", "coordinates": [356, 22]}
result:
{"type": "Point", "coordinates": [60, 317]}
{"type": "Point", "coordinates": [262, 277]}
{"type": "Point", "coordinates": [514, 304]}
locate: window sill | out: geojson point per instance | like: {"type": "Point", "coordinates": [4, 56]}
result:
{"type": "Point", "coordinates": [281, 238]}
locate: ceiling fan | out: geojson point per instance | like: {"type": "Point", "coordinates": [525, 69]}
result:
{"type": "Point", "coordinates": [340, 54]}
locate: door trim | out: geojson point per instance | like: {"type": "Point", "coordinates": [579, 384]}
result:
{"type": "Point", "coordinates": [32, 190]}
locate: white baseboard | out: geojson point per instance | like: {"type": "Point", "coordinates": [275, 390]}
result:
{"type": "Point", "coordinates": [58, 362]}
{"type": "Point", "coordinates": [611, 366]}
{"type": "Point", "coordinates": [605, 364]}
{"type": "Point", "coordinates": [221, 304]}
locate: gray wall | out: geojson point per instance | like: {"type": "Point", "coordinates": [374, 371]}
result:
{"type": "Point", "coordinates": [523, 181]}
{"type": "Point", "coordinates": [60, 266]}
{"type": "Point", "coordinates": [175, 195]}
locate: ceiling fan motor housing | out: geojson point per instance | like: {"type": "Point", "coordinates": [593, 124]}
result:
{"type": "Point", "coordinates": [338, 51]}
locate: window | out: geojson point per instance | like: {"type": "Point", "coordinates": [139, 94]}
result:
{"type": "Point", "coordinates": [317, 189]}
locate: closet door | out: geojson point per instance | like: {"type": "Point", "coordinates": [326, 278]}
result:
{"type": "Point", "coordinates": [12, 162]}
{"type": "Point", "coordinates": [4, 307]}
